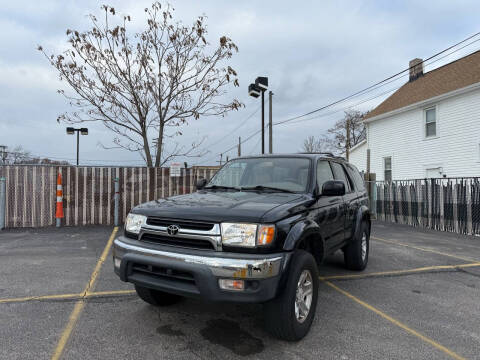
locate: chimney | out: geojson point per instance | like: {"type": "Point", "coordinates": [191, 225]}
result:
{"type": "Point", "coordinates": [416, 68]}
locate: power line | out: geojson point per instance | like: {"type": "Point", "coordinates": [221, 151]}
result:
{"type": "Point", "coordinates": [239, 126]}
{"type": "Point", "coordinates": [370, 88]}
{"type": "Point", "coordinates": [380, 82]}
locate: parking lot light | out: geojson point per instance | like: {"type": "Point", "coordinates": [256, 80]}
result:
{"type": "Point", "coordinates": [83, 131]}
{"type": "Point", "coordinates": [253, 90]}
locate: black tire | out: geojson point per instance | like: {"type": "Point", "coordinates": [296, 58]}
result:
{"type": "Point", "coordinates": [156, 297]}
{"type": "Point", "coordinates": [352, 254]}
{"type": "Point", "coordinates": [280, 318]}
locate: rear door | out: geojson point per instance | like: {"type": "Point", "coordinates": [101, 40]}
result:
{"type": "Point", "coordinates": [330, 211]}
{"type": "Point", "coordinates": [350, 199]}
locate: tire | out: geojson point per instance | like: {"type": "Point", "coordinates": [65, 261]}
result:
{"type": "Point", "coordinates": [355, 254]}
{"type": "Point", "coordinates": [281, 319]}
{"type": "Point", "coordinates": [156, 297]}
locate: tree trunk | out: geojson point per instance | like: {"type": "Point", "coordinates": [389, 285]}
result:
{"type": "Point", "coordinates": [158, 157]}
{"type": "Point", "coordinates": [146, 149]}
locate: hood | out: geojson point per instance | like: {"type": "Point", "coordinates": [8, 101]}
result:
{"type": "Point", "coordinates": [218, 206]}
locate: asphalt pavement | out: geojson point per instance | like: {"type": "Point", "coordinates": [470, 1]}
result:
{"type": "Point", "coordinates": [418, 299]}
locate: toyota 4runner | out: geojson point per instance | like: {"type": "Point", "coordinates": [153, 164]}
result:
{"type": "Point", "coordinates": [255, 232]}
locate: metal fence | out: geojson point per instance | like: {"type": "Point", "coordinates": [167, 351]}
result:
{"type": "Point", "coordinates": [446, 204]}
{"type": "Point", "coordinates": [88, 192]}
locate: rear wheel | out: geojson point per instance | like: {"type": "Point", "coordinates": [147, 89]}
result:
{"type": "Point", "coordinates": [156, 297]}
{"type": "Point", "coordinates": [356, 253]}
{"type": "Point", "coordinates": [290, 315]}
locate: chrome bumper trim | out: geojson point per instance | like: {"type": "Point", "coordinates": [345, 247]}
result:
{"type": "Point", "coordinates": [261, 268]}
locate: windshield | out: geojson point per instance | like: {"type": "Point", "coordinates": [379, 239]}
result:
{"type": "Point", "coordinates": [289, 174]}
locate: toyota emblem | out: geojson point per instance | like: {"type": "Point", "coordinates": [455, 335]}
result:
{"type": "Point", "coordinates": [172, 230]}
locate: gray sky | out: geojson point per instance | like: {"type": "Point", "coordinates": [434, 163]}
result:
{"type": "Point", "coordinates": [314, 52]}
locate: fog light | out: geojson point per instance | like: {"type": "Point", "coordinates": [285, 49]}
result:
{"type": "Point", "coordinates": [229, 284]}
{"type": "Point", "coordinates": [116, 262]}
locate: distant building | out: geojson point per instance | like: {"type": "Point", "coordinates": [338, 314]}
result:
{"type": "Point", "coordinates": [430, 127]}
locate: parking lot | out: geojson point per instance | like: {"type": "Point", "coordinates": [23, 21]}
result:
{"type": "Point", "coordinates": [418, 299]}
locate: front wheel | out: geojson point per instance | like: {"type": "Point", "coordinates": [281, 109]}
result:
{"type": "Point", "coordinates": [290, 315]}
{"type": "Point", "coordinates": [156, 297]}
{"type": "Point", "coordinates": [356, 252]}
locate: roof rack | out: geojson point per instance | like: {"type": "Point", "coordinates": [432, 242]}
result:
{"type": "Point", "coordinates": [325, 153]}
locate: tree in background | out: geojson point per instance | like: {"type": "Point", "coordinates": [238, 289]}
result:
{"type": "Point", "coordinates": [312, 145]}
{"type": "Point", "coordinates": [19, 156]}
{"type": "Point", "coordinates": [145, 86]}
{"type": "Point", "coordinates": [337, 135]}
{"type": "Point", "coordinates": [335, 141]}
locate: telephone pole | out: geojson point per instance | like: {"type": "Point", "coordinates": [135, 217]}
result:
{"type": "Point", "coordinates": [347, 140]}
{"type": "Point", "coordinates": [239, 146]}
{"type": "Point", "coordinates": [270, 137]}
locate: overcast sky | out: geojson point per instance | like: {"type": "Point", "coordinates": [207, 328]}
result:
{"type": "Point", "coordinates": [313, 52]}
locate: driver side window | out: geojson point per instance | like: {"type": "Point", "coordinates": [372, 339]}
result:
{"type": "Point", "coordinates": [324, 173]}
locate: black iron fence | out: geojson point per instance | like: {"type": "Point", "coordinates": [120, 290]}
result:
{"type": "Point", "coordinates": [447, 204]}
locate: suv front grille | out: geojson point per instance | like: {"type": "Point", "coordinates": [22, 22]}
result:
{"type": "Point", "coordinates": [182, 224]}
{"type": "Point", "coordinates": [177, 241]}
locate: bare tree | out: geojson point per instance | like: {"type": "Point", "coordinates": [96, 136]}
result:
{"type": "Point", "coordinates": [336, 139]}
{"type": "Point", "coordinates": [312, 145]}
{"type": "Point", "coordinates": [18, 156]}
{"type": "Point", "coordinates": [144, 87]}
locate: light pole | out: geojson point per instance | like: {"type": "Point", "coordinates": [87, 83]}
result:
{"type": "Point", "coordinates": [83, 131]}
{"type": "Point", "coordinates": [255, 90]}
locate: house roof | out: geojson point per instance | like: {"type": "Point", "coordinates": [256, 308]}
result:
{"type": "Point", "coordinates": [455, 75]}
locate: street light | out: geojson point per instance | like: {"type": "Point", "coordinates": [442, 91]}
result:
{"type": "Point", "coordinates": [83, 131]}
{"type": "Point", "coordinates": [261, 84]}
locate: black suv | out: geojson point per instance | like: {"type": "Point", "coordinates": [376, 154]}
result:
{"type": "Point", "coordinates": [255, 232]}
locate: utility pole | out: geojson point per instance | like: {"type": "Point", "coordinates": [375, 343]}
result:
{"type": "Point", "coordinates": [263, 123]}
{"type": "Point", "coordinates": [221, 155]}
{"type": "Point", "coordinates": [347, 140]}
{"type": "Point", "coordinates": [270, 145]}
{"type": "Point", "coordinates": [239, 146]}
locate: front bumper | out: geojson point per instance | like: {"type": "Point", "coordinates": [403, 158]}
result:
{"type": "Point", "coordinates": [196, 273]}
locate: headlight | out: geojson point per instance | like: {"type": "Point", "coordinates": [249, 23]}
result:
{"type": "Point", "coordinates": [247, 235]}
{"type": "Point", "coordinates": [134, 222]}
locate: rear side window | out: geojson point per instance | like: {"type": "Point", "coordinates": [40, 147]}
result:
{"type": "Point", "coordinates": [340, 174]}
{"type": "Point", "coordinates": [356, 176]}
{"type": "Point", "coordinates": [324, 173]}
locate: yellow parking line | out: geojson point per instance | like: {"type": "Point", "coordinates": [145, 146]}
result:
{"type": "Point", "coordinates": [110, 293]}
{"type": "Point", "coordinates": [397, 323]}
{"type": "Point", "coordinates": [423, 249]}
{"type": "Point", "coordinates": [399, 272]}
{"type": "Point", "coordinates": [79, 305]}
{"type": "Point", "coordinates": [67, 296]}
{"type": "Point", "coordinates": [42, 297]}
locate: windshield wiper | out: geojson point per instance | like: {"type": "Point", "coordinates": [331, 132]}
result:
{"type": "Point", "coordinates": [262, 187]}
{"type": "Point", "coordinates": [215, 187]}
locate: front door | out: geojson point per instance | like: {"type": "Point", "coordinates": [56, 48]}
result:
{"type": "Point", "coordinates": [351, 199]}
{"type": "Point", "coordinates": [330, 210]}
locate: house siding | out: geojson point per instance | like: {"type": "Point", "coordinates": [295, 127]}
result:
{"type": "Point", "coordinates": [358, 157]}
{"type": "Point", "coordinates": [456, 148]}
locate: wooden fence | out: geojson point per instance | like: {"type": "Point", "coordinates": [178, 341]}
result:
{"type": "Point", "coordinates": [88, 192]}
{"type": "Point", "coordinates": [446, 204]}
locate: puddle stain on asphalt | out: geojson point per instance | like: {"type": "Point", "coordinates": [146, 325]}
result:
{"type": "Point", "coordinates": [229, 334]}
{"type": "Point", "coordinates": [167, 330]}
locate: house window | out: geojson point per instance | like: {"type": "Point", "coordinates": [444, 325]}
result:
{"type": "Point", "coordinates": [430, 122]}
{"type": "Point", "coordinates": [387, 166]}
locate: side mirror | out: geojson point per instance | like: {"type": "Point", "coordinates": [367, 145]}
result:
{"type": "Point", "coordinates": [333, 188]}
{"type": "Point", "coordinates": [200, 183]}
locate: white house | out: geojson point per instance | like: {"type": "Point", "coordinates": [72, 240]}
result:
{"type": "Point", "coordinates": [430, 127]}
